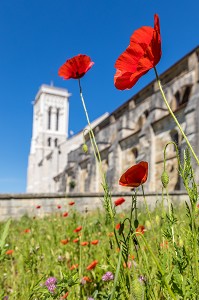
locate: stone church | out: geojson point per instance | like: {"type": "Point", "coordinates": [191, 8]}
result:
{"type": "Point", "coordinates": [137, 130]}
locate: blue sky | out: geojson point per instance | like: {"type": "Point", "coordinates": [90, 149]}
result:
{"type": "Point", "coordinates": [36, 37]}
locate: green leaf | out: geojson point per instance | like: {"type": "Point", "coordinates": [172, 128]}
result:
{"type": "Point", "coordinates": [4, 234]}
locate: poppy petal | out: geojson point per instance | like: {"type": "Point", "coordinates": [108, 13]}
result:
{"type": "Point", "coordinates": [143, 53]}
{"type": "Point", "coordinates": [75, 67]}
{"type": "Point", "coordinates": [135, 176]}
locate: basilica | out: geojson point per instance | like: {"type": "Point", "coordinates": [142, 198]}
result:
{"type": "Point", "coordinates": [137, 130]}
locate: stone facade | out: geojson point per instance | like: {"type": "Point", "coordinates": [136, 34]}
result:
{"type": "Point", "coordinates": [17, 205]}
{"type": "Point", "coordinates": [137, 130]}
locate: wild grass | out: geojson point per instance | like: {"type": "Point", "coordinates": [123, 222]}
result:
{"type": "Point", "coordinates": [144, 263]}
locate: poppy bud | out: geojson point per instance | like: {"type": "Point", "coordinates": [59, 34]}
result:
{"type": "Point", "coordinates": [165, 179]}
{"type": "Point", "coordinates": [85, 148]}
{"type": "Point", "coordinates": [121, 228]}
{"type": "Point", "coordinates": [136, 223]}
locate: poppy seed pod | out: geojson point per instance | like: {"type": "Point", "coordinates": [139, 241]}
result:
{"type": "Point", "coordinates": [165, 179]}
{"type": "Point", "coordinates": [85, 148]}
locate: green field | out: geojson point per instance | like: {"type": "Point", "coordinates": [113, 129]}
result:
{"type": "Point", "coordinates": [158, 257]}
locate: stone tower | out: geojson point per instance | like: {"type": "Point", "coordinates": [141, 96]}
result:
{"type": "Point", "coordinates": [50, 129]}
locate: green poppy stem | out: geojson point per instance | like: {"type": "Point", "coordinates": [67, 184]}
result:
{"type": "Point", "coordinates": [93, 140]}
{"type": "Point", "coordinates": [174, 117]}
{"type": "Point", "coordinates": [98, 158]}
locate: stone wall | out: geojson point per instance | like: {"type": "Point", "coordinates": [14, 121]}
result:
{"type": "Point", "coordinates": [18, 205]}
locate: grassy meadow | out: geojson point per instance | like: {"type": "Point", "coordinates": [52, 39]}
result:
{"type": "Point", "coordinates": [143, 255]}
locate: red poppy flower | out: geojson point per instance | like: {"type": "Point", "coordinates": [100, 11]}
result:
{"type": "Point", "coordinates": [65, 214]}
{"type": "Point", "coordinates": [9, 252]}
{"type": "Point", "coordinates": [84, 243]}
{"type": "Point", "coordinates": [131, 256]}
{"type": "Point", "coordinates": [129, 264]}
{"type": "Point", "coordinates": [64, 242]}
{"type": "Point", "coordinates": [65, 295]}
{"type": "Point", "coordinates": [59, 206]}
{"type": "Point", "coordinates": [73, 267]}
{"type": "Point", "coordinates": [86, 279]}
{"type": "Point", "coordinates": [76, 67]}
{"type": "Point", "coordinates": [140, 229]}
{"type": "Point", "coordinates": [143, 54]}
{"type": "Point", "coordinates": [38, 206]}
{"type": "Point", "coordinates": [27, 230]}
{"type": "Point", "coordinates": [117, 226]}
{"type": "Point", "coordinates": [71, 203]}
{"type": "Point", "coordinates": [92, 265]}
{"type": "Point", "coordinates": [119, 201]}
{"type": "Point", "coordinates": [95, 242]}
{"type": "Point", "coordinates": [76, 240]}
{"type": "Point", "coordinates": [78, 229]}
{"type": "Point", "coordinates": [135, 176]}
{"type": "Point", "coordinates": [164, 244]}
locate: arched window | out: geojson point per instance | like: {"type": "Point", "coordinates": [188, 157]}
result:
{"type": "Point", "coordinates": [146, 113]}
{"type": "Point", "coordinates": [177, 97]}
{"type": "Point", "coordinates": [142, 119]}
{"type": "Point", "coordinates": [56, 142]}
{"type": "Point", "coordinates": [177, 139]}
{"type": "Point", "coordinates": [181, 97]}
{"type": "Point", "coordinates": [175, 101]}
{"type": "Point", "coordinates": [174, 136]}
{"type": "Point", "coordinates": [135, 152]}
{"type": "Point", "coordinates": [57, 119]}
{"type": "Point", "coordinates": [186, 95]}
{"type": "Point", "coordinates": [49, 142]}
{"type": "Point", "coordinates": [49, 117]}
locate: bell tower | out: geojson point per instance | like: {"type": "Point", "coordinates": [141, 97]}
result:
{"type": "Point", "coordinates": [50, 128]}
